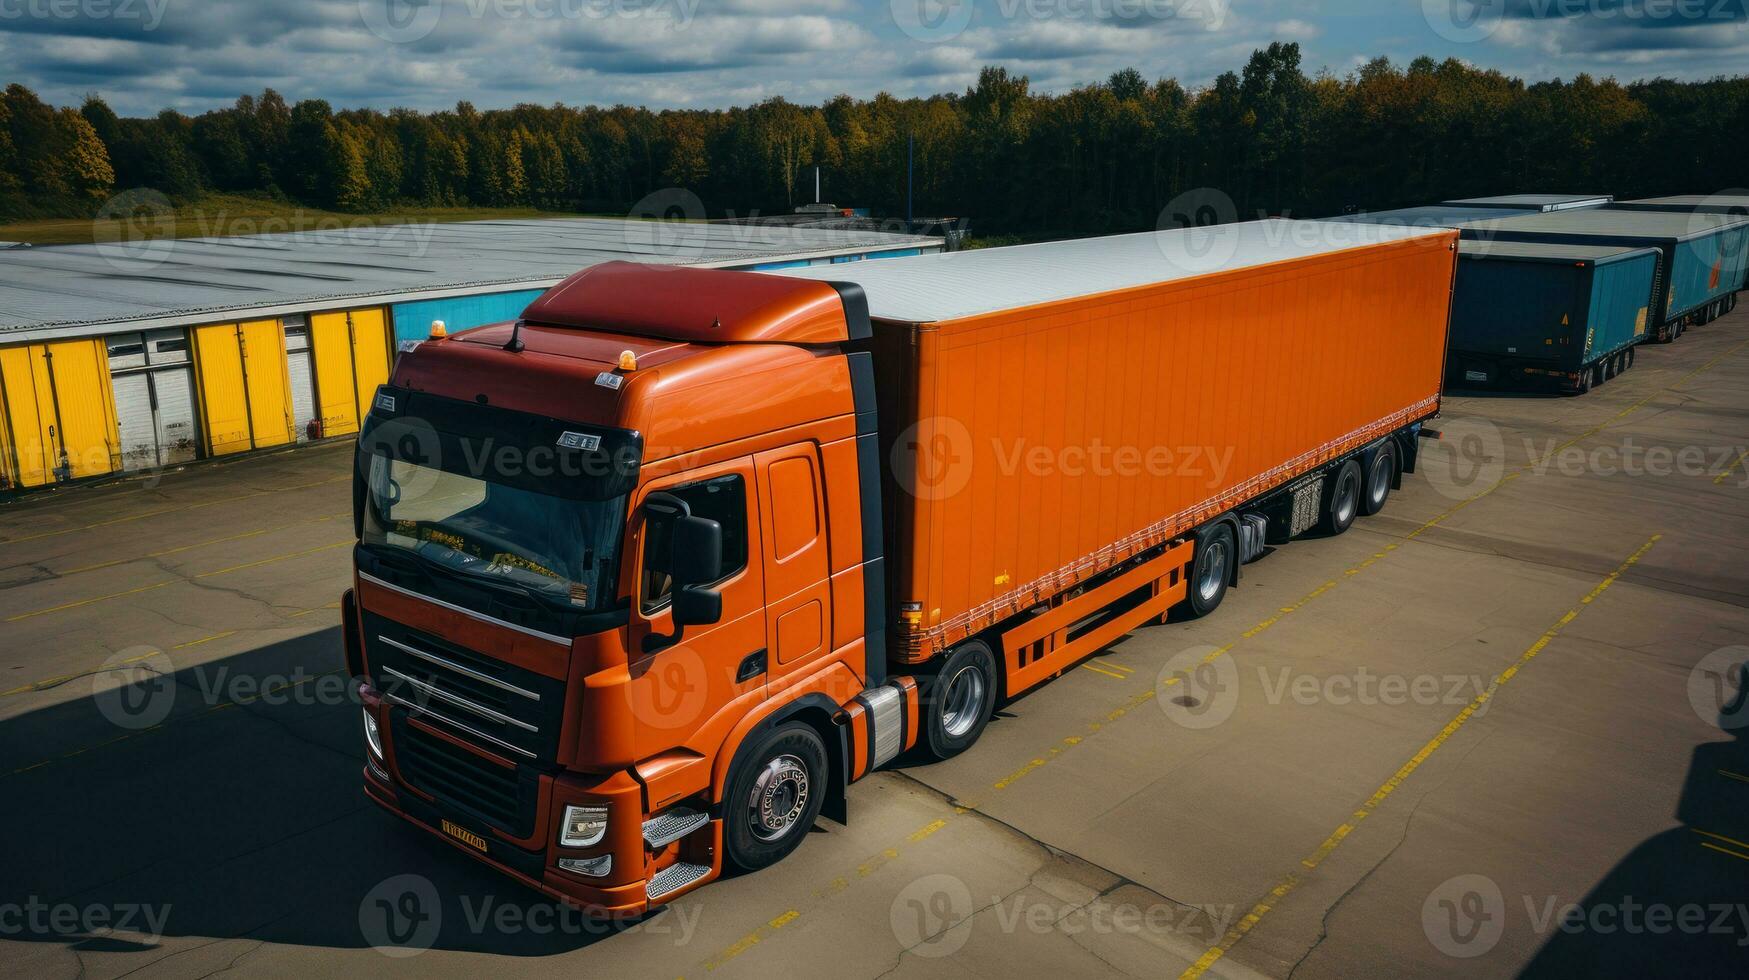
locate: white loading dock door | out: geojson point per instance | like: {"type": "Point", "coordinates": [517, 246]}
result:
{"type": "Point", "coordinates": [135, 420]}
{"type": "Point", "coordinates": [154, 399]}
{"type": "Point", "coordinates": [301, 374]}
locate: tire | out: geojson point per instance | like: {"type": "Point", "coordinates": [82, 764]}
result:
{"type": "Point", "coordinates": [1581, 386]}
{"type": "Point", "coordinates": [1377, 487]}
{"type": "Point", "coordinates": [774, 796]}
{"type": "Point", "coordinates": [1598, 376]}
{"type": "Point", "coordinates": [1611, 367]}
{"type": "Point", "coordinates": [958, 699]}
{"type": "Point", "coordinates": [1342, 493]}
{"type": "Point", "coordinates": [1633, 352]}
{"type": "Point", "coordinates": [1211, 569]}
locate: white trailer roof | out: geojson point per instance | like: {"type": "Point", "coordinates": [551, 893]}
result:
{"type": "Point", "coordinates": [954, 285]}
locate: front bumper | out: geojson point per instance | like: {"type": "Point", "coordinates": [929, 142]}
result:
{"type": "Point", "coordinates": [623, 892]}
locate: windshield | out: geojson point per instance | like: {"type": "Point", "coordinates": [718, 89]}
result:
{"type": "Point", "coordinates": [560, 549]}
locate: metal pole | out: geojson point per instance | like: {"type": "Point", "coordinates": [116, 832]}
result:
{"type": "Point", "coordinates": [910, 165]}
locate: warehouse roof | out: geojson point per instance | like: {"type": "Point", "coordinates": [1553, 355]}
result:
{"type": "Point", "coordinates": [83, 289]}
{"type": "Point", "coordinates": [1431, 216]}
{"type": "Point", "coordinates": [1536, 202]}
{"type": "Point", "coordinates": [1549, 251]}
{"type": "Point", "coordinates": [1608, 223]}
{"type": "Point", "coordinates": [952, 285]}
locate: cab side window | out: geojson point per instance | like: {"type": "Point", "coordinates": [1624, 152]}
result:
{"type": "Point", "coordinates": [722, 499]}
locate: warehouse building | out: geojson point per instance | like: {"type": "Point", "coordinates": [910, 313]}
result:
{"type": "Point", "coordinates": [133, 355]}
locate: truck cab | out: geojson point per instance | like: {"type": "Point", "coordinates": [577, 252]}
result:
{"type": "Point", "coordinates": [618, 609]}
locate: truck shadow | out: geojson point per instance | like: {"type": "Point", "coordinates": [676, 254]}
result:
{"type": "Point", "coordinates": [1678, 904]}
{"type": "Point", "coordinates": [240, 814]}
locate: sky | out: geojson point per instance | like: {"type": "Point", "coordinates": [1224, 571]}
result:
{"type": "Point", "coordinates": [192, 55]}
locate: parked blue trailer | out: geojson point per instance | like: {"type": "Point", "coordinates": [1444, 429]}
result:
{"type": "Point", "coordinates": [1547, 314]}
{"type": "Point", "coordinates": [1702, 256]}
{"type": "Point", "coordinates": [1430, 216]}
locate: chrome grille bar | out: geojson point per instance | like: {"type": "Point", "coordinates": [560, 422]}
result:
{"type": "Point", "coordinates": [458, 668]}
{"type": "Point", "coordinates": [463, 703]}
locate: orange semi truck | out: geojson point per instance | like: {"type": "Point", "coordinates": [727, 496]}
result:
{"type": "Point", "coordinates": [648, 577]}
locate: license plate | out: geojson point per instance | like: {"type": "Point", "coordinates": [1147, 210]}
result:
{"type": "Point", "coordinates": [1475, 375]}
{"type": "Point", "coordinates": [466, 836]}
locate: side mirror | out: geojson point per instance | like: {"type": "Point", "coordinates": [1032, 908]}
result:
{"type": "Point", "coordinates": [698, 550]}
{"type": "Point", "coordinates": [693, 557]}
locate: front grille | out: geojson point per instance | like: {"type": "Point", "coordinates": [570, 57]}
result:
{"type": "Point", "coordinates": [461, 781]}
{"type": "Point", "coordinates": [504, 709]}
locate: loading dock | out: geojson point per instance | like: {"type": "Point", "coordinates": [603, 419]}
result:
{"type": "Point", "coordinates": [151, 377]}
{"type": "Point", "coordinates": [60, 413]}
{"type": "Point", "coordinates": [245, 392]}
{"type": "Point", "coordinates": [351, 357]}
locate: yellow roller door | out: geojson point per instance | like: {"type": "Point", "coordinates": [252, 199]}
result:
{"type": "Point", "coordinates": [270, 408]}
{"type": "Point", "coordinates": [8, 468]}
{"type": "Point", "coordinates": [336, 389]}
{"type": "Point", "coordinates": [24, 374]}
{"type": "Point", "coordinates": [86, 409]}
{"type": "Point", "coordinates": [370, 347]}
{"type": "Point", "coordinates": [224, 399]}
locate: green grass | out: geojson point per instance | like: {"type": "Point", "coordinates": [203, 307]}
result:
{"type": "Point", "coordinates": [228, 214]}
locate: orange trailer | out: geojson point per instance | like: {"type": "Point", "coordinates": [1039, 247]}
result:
{"type": "Point", "coordinates": [647, 578]}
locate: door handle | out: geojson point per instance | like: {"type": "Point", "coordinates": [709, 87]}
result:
{"type": "Point", "coordinates": [752, 666]}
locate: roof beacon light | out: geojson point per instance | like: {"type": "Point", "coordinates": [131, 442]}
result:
{"type": "Point", "coordinates": [628, 361]}
{"type": "Point", "coordinates": [438, 332]}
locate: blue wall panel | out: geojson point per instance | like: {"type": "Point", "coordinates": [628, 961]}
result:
{"type": "Point", "coordinates": [458, 313]}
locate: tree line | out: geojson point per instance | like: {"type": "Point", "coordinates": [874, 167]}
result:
{"type": "Point", "coordinates": [1103, 157]}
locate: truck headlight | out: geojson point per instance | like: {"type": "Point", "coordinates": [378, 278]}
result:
{"type": "Point", "coordinates": [583, 826]}
{"type": "Point", "coordinates": [595, 867]}
{"type": "Point", "coordinates": [372, 737]}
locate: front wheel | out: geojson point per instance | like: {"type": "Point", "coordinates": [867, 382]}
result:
{"type": "Point", "coordinates": [774, 796]}
{"type": "Point", "coordinates": [958, 700]}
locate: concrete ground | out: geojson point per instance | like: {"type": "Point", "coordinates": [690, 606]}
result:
{"type": "Point", "coordinates": [1480, 733]}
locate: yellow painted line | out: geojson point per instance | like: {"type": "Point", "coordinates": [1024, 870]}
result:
{"type": "Point", "coordinates": [204, 639]}
{"type": "Point", "coordinates": [1106, 663]}
{"type": "Point", "coordinates": [1292, 881]}
{"type": "Point", "coordinates": [1721, 850]}
{"type": "Point", "coordinates": [1721, 837]}
{"type": "Point", "coordinates": [158, 585]}
{"type": "Point", "coordinates": [198, 544]}
{"type": "Point", "coordinates": [169, 510]}
{"type": "Point", "coordinates": [752, 939]}
{"type": "Point", "coordinates": [1102, 670]}
{"type": "Point", "coordinates": [317, 609]}
{"type": "Point", "coordinates": [172, 721]}
{"type": "Point", "coordinates": [85, 602]}
{"type": "Point", "coordinates": [1722, 477]}
{"type": "Point", "coordinates": [276, 558]}
{"type": "Point", "coordinates": [49, 682]}
{"type": "Point", "coordinates": [1734, 775]}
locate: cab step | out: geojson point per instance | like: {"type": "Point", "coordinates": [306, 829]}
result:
{"type": "Point", "coordinates": [673, 878]}
{"type": "Point", "coordinates": [667, 827]}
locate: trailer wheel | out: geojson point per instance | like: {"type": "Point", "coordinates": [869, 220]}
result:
{"type": "Point", "coordinates": [1342, 498]}
{"type": "Point", "coordinates": [774, 796]}
{"type": "Point", "coordinates": [1378, 480]}
{"type": "Point", "coordinates": [1632, 353]}
{"type": "Point", "coordinates": [1211, 568]}
{"type": "Point", "coordinates": [1611, 367]}
{"type": "Point", "coordinates": [1597, 374]}
{"type": "Point", "coordinates": [958, 699]}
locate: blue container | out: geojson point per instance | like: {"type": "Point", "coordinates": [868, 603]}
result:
{"type": "Point", "coordinates": [1547, 313]}
{"type": "Point", "coordinates": [1702, 256]}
